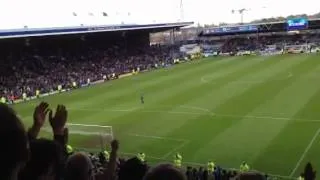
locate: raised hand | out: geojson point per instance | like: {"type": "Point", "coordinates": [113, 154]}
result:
{"type": "Point", "coordinates": [110, 171]}
{"type": "Point", "coordinates": [58, 121]}
{"type": "Point", "coordinates": [39, 115]}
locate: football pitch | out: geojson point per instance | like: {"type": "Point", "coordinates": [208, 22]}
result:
{"type": "Point", "coordinates": [262, 110]}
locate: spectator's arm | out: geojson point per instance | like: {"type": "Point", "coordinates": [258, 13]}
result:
{"type": "Point", "coordinates": [62, 139]}
{"type": "Point", "coordinates": [60, 133]}
{"type": "Point", "coordinates": [58, 122]}
{"type": "Point", "coordinates": [109, 173]}
{"type": "Point", "coordinates": [33, 133]}
{"type": "Point", "coordinates": [39, 116]}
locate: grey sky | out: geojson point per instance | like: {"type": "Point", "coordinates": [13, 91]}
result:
{"type": "Point", "coordinates": [43, 13]}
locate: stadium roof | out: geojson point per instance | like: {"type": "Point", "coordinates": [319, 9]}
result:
{"type": "Point", "coordinates": [29, 32]}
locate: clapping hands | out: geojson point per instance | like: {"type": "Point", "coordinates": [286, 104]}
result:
{"type": "Point", "coordinates": [57, 120]}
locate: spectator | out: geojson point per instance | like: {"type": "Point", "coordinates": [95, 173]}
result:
{"type": "Point", "coordinates": [204, 175]}
{"type": "Point", "coordinates": [196, 174]}
{"type": "Point", "coordinates": [250, 176]}
{"type": "Point", "coordinates": [44, 160]}
{"type": "Point", "coordinates": [133, 169]}
{"type": "Point", "coordinates": [309, 173]}
{"type": "Point", "coordinates": [14, 144]}
{"type": "Point", "coordinates": [217, 172]}
{"type": "Point", "coordinates": [189, 173]}
{"type": "Point", "coordinates": [47, 157]}
{"type": "Point", "coordinates": [165, 172]}
{"type": "Point", "coordinates": [79, 167]}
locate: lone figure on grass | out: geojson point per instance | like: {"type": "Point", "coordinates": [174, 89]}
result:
{"type": "Point", "coordinates": [142, 99]}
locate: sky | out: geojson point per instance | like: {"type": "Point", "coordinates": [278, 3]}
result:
{"type": "Point", "coordinates": [16, 13]}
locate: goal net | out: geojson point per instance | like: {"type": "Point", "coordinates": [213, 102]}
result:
{"type": "Point", "coordinates": [88, 137]}
{"type": "Point", "coordinates": [302, 48]}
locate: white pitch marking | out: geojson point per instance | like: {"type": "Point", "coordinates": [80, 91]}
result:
{"type": "Point", "coordinates": [195, 113]}
{"type": "Point", "coordinates": [88, 125]}
{"type": "Point", "coordinates": [158, 137]}
{"type": "Point", "coordinates": [208, 112]}
{"type": "Point", "coordinates": [130, 110]}
{"type": "Point", "coordinates": [196, 108]}
{"type": "Point", "coordinates": [183, 142]}
{"type": "Point", "coordinates": [175, 149]}
{"type": "Point", "coordinates": [113, 110]}
{"type": "Point", "coordinates": [201, 164]}
{"type": "Point", "coordinates": [203, 79]}
{"type": "Point", "coordinates": [305, 153]}
{"type": "Point", "coordinates": [255, 117]}
{"type": "Point", "coordinates": [172, 112]}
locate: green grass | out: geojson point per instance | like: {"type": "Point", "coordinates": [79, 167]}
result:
{"type": "Point", "coordinates": [264, 110]}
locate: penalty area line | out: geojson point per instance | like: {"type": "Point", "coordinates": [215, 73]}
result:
{"type": "Point", "coordinates": [183, 162]}
{"type": "Point", "coordinates": [175, 149]}
{"type": "Point", "coordinates": [198, 164]}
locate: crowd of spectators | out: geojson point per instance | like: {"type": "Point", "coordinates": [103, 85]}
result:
{"type": "Point", "coordinates": [235, 44]}
{"type": "Point", "coordinates": [26, 157]}
{"type": "Point", "coordinates": [27, 66]}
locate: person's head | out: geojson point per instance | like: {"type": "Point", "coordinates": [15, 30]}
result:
{"type": "Point", "coordinates": [79, 166]}
{"type": "Point", "coordinates": [44, 162]}
{"type": "Point", "coordinates": [194, 170]}
{"type": "Point", "coordinates": [132, 169]}
{"type": "Point", "coordinates": [250, 176]}
{"type": "Point", "coordinates": [204, 174]}
{"type": "Point", "coordinates": [14, 144]}
{"type": "Point", "coordinates": [165, 172]}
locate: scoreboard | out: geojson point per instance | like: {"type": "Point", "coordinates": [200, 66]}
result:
{"type": "Point", "coordinates": [297, 24]}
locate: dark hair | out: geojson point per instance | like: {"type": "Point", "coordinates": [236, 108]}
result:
{"type": "Point", "coordinates": [165, 172]}
{"type": "Point", "coordinates": [133, 169]}
{"type": "Point", "coordinates": [45, 157]}
{"type": "Point", "coordinates": [251, 175]}
{"type": "Point", "coordinates": [205, 175]}
{"type": "Point", "coordinates": [13, 140]}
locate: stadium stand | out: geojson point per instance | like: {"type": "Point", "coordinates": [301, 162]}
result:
{"type": "Point", "coordinates": [263, 38]}
{"type": "Point", "coordinates": [42, 65]}
{"type": "Point", "coordinates": [29, 63]}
